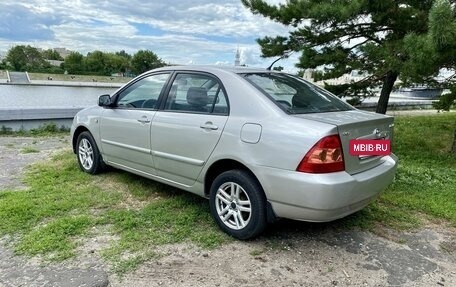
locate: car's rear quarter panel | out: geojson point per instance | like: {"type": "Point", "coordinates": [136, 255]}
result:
{"type": "Point", "coordinates": [284, 139]}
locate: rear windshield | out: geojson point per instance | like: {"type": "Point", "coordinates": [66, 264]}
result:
{"type": "Point", "coordinates": [295, 95]}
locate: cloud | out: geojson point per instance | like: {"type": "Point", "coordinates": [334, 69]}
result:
{"type": "Point", "coordinates": [250, 56]}
{"type": "Point", "coordinates": [223, 63]}
{"type": "Point", "coordinates": [20, 23]}
{"type": "Point", "coordinates": [231, 20]}
{"type": "Point", "coordinates": [180, 31]}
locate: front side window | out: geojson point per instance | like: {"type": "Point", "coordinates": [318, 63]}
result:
{"type": "Point", "coordinates": [294, 95]}
{"type": "Point", "coordinates": [144, 93]}
{"type": "Point", "coordinates": [196, 93]}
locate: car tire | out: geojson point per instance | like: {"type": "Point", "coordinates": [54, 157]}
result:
{"type": "Point", "coordinates": [238, 204]}
{"type": "Point", "coordinates": [88, 155]}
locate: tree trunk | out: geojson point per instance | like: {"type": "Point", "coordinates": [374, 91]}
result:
{"type": "Point", "coordinates": [388, 84]}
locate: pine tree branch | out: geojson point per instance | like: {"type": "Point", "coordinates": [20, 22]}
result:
{"type": "Point", "coordinates": [359, 44]}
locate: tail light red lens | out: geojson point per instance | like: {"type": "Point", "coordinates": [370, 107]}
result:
{"type": "Point", "coordinates": [324, 157]}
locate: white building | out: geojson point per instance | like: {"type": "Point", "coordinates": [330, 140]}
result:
{"type": "Point", "coordinates": [63, 52]}
{"type": "Point", "coordinates": [354, 76]}
{"type": "Point", "coordinates": [237, 58]}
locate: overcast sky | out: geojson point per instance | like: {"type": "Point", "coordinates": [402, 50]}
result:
{"type": "Point", "coordinates": [179, 31]}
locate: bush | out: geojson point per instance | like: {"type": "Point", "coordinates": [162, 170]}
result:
{"type": "Point", "coordinates": [5, 130]}
{"type": "Point", "coordinates": [48, 128]}
{"type": "Point", "coordinates": [446, 101]}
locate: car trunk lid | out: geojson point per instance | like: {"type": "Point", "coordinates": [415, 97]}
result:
{"type": "Point", "coordinates": [356, 124]}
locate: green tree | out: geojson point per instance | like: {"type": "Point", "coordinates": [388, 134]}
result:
{"type": "Point", "coordinates": [435, 49]}
{"type": "Point", "coordinates": [115, 63]}
{"type": "Point", "coordinates": [101, 63]}
{"type": "Point", "coordinates": [74, 63]}
{"type": "Point", "coordinates": [124, 54]}
{"type": "Point", "coordinates": [145, 60]}
{"type": "Point", "coordinates": [51, 54]}
{"type": "Point", "coordinates": [374, 37]}
{"type": "Point", "coordinates": [126, 66]}
{"type": "Point", "coordinates": [25, 58]}
{"type": "Point", "coordinates": [95, 63]}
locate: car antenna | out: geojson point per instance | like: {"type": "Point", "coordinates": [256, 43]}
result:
{"type": "Point", "coordinates": [284, 56]}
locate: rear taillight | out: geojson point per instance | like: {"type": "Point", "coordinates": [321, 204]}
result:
{"type": "Point", "coordinates": [324, 157]}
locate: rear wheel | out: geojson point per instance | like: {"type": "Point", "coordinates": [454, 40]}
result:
{"type": "Point", "coordinates": [238, 204]}
{"type": "Point", "coordinates": [89, 157]}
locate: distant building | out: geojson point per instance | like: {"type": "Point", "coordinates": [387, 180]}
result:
{"type": "Point", "coordinates": [308, 75]}
{"type": "Point", "coordinates": [237, 58]}
{"type": "Point", "coordinates": [55, 63]}
{"type": "Point", "coordinates": [354, 76]}
{"type": "Point", "coordinates": [63, 52]}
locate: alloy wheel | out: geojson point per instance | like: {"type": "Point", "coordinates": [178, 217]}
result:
{"type": "Point", "coordinates": [233, 205]}
{"type": "Point", "coordinates": [86, 156]}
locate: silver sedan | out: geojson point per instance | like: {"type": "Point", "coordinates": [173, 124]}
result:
{"type": "Point", "coordinates": [259, 144]}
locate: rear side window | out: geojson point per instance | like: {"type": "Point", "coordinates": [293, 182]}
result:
{"type": "Point", "coordinates": [295, 95]}
{"type": "Point", "coordinates": [196, 93]}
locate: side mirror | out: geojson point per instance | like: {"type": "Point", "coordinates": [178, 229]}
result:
{"type": "Point", "coordinates": [104, 101]}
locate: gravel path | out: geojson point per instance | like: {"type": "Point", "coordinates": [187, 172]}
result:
{"type": "Point", "coordinates": [16, 153]}
{"type": "Point", "coordinates": [289, 254]}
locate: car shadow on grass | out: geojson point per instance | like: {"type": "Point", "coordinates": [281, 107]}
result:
{"type": "Point", "coordinates": [147, 189]}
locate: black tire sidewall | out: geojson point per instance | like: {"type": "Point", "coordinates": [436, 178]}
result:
{"type": "Point", "coordinates": [253, 189]}
{"type": "Point", "coordinates": [97, 165]}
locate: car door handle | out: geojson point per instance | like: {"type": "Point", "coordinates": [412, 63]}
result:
{"type": "Point", "coordinates": [144, 120]}
{"type": "Point", "coordinates": [209, 126]}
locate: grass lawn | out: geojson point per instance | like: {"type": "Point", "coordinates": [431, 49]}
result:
{"type": "Point", "coordinates": [64, 205]}
{"type": "Point", "coordinates": [78, 78]}
{"type": "Point", "coordinates": [425, 182]}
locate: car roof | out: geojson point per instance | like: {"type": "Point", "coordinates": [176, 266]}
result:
{"type": "Point", "coordinates": [213, 68]}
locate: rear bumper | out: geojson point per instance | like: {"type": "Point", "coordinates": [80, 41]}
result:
{"type": "Point", "coordinates": [324, 197]}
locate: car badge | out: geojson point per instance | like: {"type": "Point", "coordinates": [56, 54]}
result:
{"type": "Point", "coordinates": [379, 134]}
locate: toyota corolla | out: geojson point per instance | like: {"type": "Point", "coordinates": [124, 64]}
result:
{"type": "Point", "coordinates": [259, 144]}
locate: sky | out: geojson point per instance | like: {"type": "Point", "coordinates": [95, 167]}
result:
{"type": "Point", "coordinates": [179, 31]}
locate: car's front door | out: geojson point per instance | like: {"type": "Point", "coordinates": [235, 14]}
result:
{"type": "Point", "coordinates": [125, 128]}
{"type": "Point", "coordinates": [188, 127]}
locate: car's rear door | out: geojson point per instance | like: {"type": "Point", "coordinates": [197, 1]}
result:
{"type": "Point", "coordinates": [187, 128]}
{"type": "Point", "coordinates": [125, 128]}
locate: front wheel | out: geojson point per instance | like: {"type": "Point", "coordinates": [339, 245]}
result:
{"type": "Point", "coordinates": [238, 204]}
{"type": "Point", "coordinates": [89, 157]}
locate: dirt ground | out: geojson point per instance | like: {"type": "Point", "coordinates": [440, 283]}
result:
{"type": "Point", "coordinates": [289, 254]}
